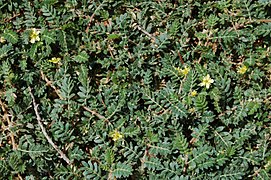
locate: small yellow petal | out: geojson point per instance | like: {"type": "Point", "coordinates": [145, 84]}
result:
{"type": "Point", "coordinates": [207, 81]}
{"type": "Point", "coordinates": [54, 60]}
{"type": "Point", "coordinates": [242, 70]}
{"type": "Point", "coordinates": [116, 135]}
{"type": "Point", "coordinates": [194, 93]}
{"type": "Point", "coordinates": [185, 71]}
{"type": "Point", "coordinates": [34, 35]}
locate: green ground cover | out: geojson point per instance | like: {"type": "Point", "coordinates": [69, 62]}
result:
{"type": "Point", "coordinates": [135, 89]}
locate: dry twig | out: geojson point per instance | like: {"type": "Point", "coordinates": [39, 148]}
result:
{"type": "Point", "coordinates": [49, 83]}
{"type": "Point", "coordinates": [145, 32]}
{"type": "Point", "coordinates": [94, 113]}
{"type": "Point", "coordinates": [92, 17]}
{"type": "Point", "coordinates": [62, 155]}
{"type": "Point", "coordinates": [8, 20]}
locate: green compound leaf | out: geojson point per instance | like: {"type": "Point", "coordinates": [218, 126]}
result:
{"type": "Point", "coordinates": [161, 148]}
{"type": "Point", "coordinates": [201, 103]}
{"type": "Point", "coordinates": [152, 164]}
{"type": "Point", "coordinates": [180, 143]}
{"type": "Point", "coordinates": [11, 36]}
{"type": "Point", "coordinates": [122, 170]}
{"type": "Point", "coordinates": [49, 36]}
{"type": "Point", "coordinates": [33, 50]}
{"type": "Point", "coordinates": [81, 57]}
{"type": "Point", "coordinates": [201, 158]}
{"type": "Point", "coordinates": [91, 170]}
{"type": "Point", "coordinates": [4, 51]}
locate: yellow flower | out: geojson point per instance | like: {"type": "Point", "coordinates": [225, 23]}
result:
{"type": "Point", "coordinates": [207, 81]}
{"type": "Point", "coordinates": [185, 71]}
{"type": "Point", "coordinates": [194, 93]}
{"type": "Point", "coordinates": [34, 36]}
{"type": "Point", "coordinates": [242, 70]}
{"type": "Point", "coordinates": [54, 60]}
{"type": "Point", "coordinates": [2, 39]}
{"type": "Point", "coordinates": [116, 135]}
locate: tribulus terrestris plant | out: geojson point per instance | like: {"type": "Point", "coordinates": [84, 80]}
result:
{"type": "Point", "coordinates": [135, 89]}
